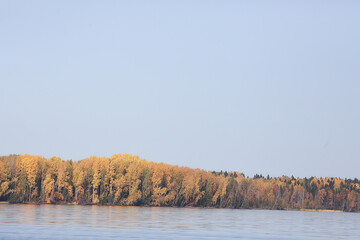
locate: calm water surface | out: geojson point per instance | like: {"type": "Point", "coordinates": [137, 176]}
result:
{"type": "Point", "coordinates": [95, 222]}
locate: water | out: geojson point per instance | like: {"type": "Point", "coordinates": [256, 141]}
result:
{"type": "Point", "coordinates": [113, 222]}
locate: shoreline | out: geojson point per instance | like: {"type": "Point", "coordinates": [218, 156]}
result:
{"type": "Point", "coordinates": [318, 210]}
{"type": "Point", "coordinates": [186, 207]}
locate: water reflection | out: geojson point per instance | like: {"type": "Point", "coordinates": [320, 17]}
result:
{"type": "Point", "coordinates": [24, 221]}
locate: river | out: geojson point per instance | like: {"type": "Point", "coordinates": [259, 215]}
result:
{"type": "Point", "coordinates": [26, 221]}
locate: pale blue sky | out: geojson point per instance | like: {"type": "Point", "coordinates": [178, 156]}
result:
{"type": "Point", "coordinates": [269, 87]}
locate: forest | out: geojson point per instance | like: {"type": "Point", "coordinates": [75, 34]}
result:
{"type": "Point", "coordinates": [125, 179]}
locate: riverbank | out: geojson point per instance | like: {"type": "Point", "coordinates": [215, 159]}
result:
{"type": "Point", "coordinates": [319, 210]}
{"type": "Point", "coordinates": [72, 204]}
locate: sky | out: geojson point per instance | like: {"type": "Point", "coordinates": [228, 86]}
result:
{"type": "Point", "coordinates": [268, 87]}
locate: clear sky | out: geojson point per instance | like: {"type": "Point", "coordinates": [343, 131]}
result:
{"type": "Point", "coordinates": [269, 87]}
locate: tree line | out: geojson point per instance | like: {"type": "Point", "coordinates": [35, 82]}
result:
{"type": "Point", "coordinates": [124, 179]}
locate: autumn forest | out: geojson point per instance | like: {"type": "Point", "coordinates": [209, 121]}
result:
{"type": "Point", "coordinates": [124, 179]}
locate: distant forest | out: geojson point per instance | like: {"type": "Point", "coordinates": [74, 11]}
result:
{"type": "Point", "coordinates": [124, 179]}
